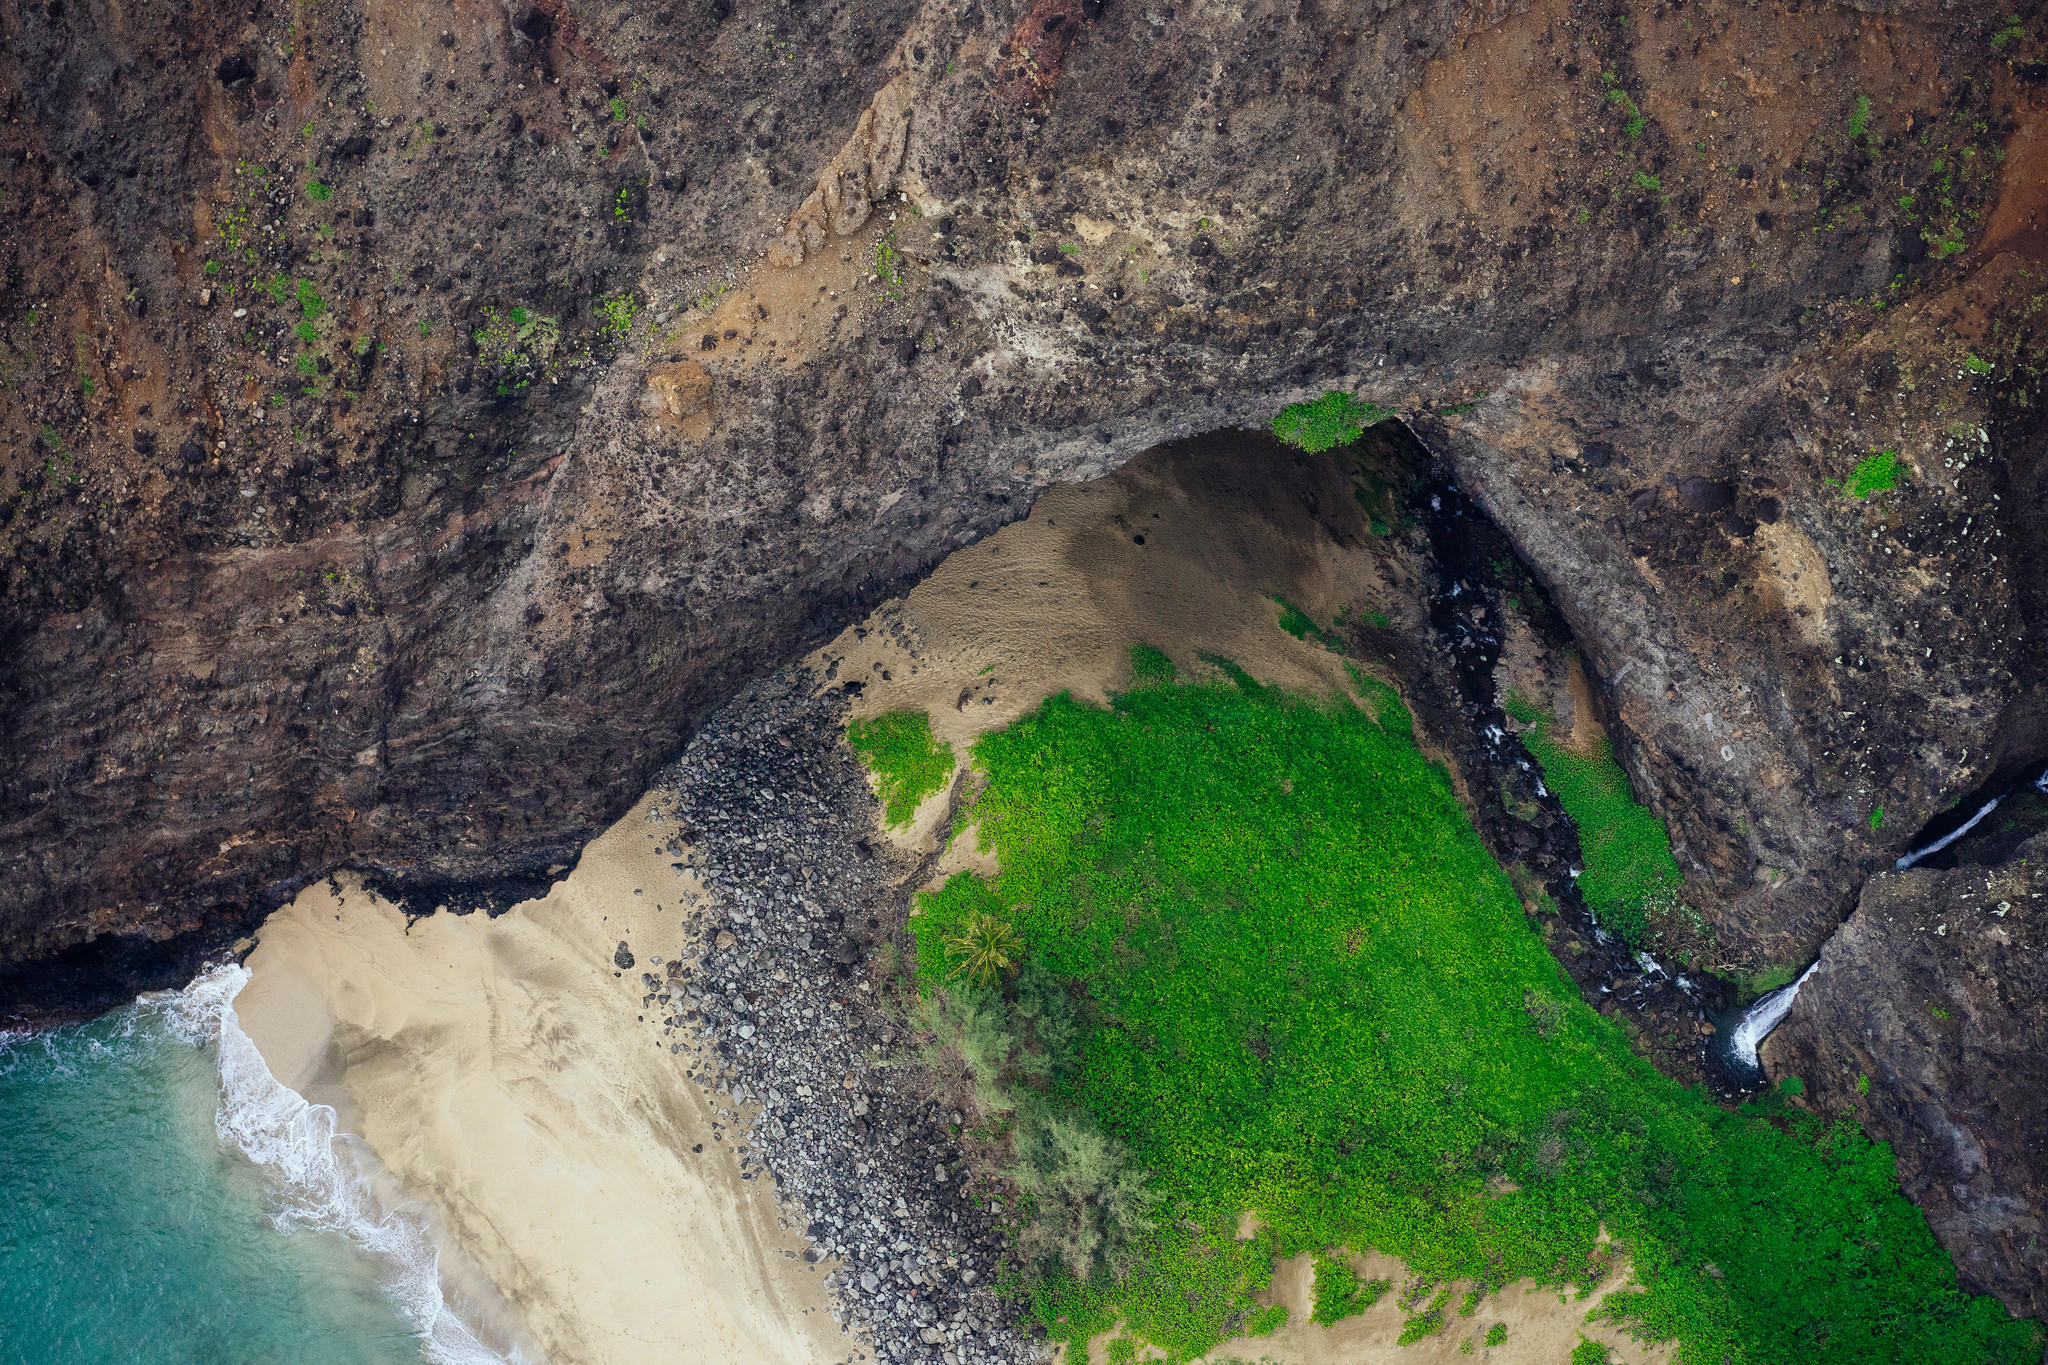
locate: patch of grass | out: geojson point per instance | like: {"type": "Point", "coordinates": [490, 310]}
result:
{"type": "Point", "coordinates": [1977, 366]}
{"type": "Point", "coordinates": [1302, 626]}
{"type": "Point", "coordinates": [1281, 973]}
{"type": "Point", "coordinates": [319, 190]}
{"type": "Point", "coordinates": [1335, 419]}
{"type": "Point", "coordinates": [1589, 1352]}
{"type": "Point", "coordinates": [1339, 1292]}
{"type": "Point", "coordinates": [1266, 1321]}
{"type": "Point", "coordinates": [899, 749]}
{"type": "Point", "coordinates": [1633, 123]}
{"type": "Point", "coordinates": [1859, 121]}
{"type": "Point", "coordinates": [1764, 980]}
{"type": "Point", "coordinates": [1626, 850]}
{"type": "Point", "coordinates": [2009, 32]}
{"type": "Point", "coordinates": [1150, 665]}
{"type": "Point", "coordinates": [1880, 473]}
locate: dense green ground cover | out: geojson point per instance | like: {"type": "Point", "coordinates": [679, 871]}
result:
{"type": "Point", "coordinates": [1625, 848]}
{"type": "Point", "coordinates": [909, 764]}
{"type": "Point", "coordinates": [1268, 954]}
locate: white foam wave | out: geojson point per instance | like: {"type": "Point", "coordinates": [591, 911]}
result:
{"type": "Point", "coordinates": [324, 1179]}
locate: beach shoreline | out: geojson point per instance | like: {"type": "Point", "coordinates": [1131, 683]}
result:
{"type": "Point", "coordinates": [503, 1073]}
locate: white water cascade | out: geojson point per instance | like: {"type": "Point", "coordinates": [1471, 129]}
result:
{"type": "Point", "coordinates": [1945, 840]}
{"type": "Point", "coordinates": [1760, 1018]}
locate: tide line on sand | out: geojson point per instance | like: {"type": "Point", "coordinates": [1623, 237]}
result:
{"type": "Point", "coordinates": [323, 1178]}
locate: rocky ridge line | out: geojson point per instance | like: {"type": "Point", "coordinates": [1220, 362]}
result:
{"type": "Point", "coordinates": [779, 1004]}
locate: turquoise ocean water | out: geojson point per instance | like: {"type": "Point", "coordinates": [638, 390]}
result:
{"type": "Point", "coordinates": [163, 1199]}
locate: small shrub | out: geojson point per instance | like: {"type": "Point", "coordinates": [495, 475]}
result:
{"type": "Point", "coordinates": [1545, 1011]}
{"type": "Point", "coordinates": [1977, 366]}
{"type": "Point", "coordinates": [1589, 1352]}
{"type": "Point", "coordinates": [1335, 419]}
{"type": "Point", "coordinates": [1859, 122]}
{"type": "Point", "coordinates": [1088, 1203]}
{"type": "Point", "coordinates": [898, 748]}
{"type": "Point", "coordinates": [1496, 1334]}
{"type": "Point", "coordinates": [969, 1029]}
{"type": "Point", "coordinates": [1266, 1321]}
{"type": "Point", "coordinates": [2009, 32]}
{"type": "Point", "coordinates": [319, 191]}
{"type": "Point", "coordinates": [1427, 1323]}
{"type": "Point", "coordinates": [1880, 473]}
{"type": "Point", "coordinates": [1340, 1293]}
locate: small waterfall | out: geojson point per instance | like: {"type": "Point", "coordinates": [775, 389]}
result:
{"type": "Point", "coordinates": [1945, 840]}
{"type": "Point", "coordinates": [1759, 1019]}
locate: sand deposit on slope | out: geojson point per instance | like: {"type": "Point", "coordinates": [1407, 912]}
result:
{"type": "Point", "coordinates": [500, 1069]}
{"type": "Point", "coordinates": [1184, 548]}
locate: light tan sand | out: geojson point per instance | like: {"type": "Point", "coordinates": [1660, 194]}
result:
{"type": "Point", "coordinates": [1054, 602]}
{"type": "Point", "coordinates": [1543, 1325]}
{"type": "Point", "coordinates": [500, 1070]}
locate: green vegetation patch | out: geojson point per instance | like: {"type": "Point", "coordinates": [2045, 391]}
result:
{"type": "Point", "coordinates": [1339, 1292]}
{"type": "Point", "coordinates": [1335, 419]}
{"type": "Point", "coordinates": [899, 749]}
{"type": "Point", "coordinates": [1266, 963]}
{"type": "Point", "coordinates": [1626, 851]}
{"type": "Point", "coordinates": [1266, 1321]}
{"type": "Point", "coordinates": [1881, 473]}
{"type": "Point", "coordinates": [1150, 664]}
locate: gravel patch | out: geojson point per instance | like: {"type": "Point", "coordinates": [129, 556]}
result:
{"type": "Point", "coordinates": [778, 1013]}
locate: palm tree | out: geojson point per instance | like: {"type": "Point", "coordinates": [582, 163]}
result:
{"type": "Point", "coordinates": [986, 947]}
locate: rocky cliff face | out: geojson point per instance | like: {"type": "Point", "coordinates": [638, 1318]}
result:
{"type": "Point", "coordinates": [416, 417]}
{"type": "Point", "coordinates": [1925, 1022]}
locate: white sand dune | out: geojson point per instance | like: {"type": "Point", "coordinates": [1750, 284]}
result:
{"type": "Point", "coordinates": [501, 1071]}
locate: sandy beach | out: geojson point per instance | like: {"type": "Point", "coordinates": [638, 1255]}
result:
{"type": "Point", "coordinates": [502, 1071]}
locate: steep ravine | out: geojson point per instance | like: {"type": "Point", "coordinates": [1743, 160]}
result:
{"type": "Point", "coordinates": [413, 423]}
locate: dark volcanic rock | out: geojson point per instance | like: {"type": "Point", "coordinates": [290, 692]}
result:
{"type": "Point", "coordinates": [1932, 991]}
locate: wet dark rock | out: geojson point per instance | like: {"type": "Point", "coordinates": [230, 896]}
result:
{"type": "Point", "coordinates": [623, 957]}
{"type": "Point", "coordinates": [1705, 495]}
{"type": "Point", "coordinates": [235, 70]}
